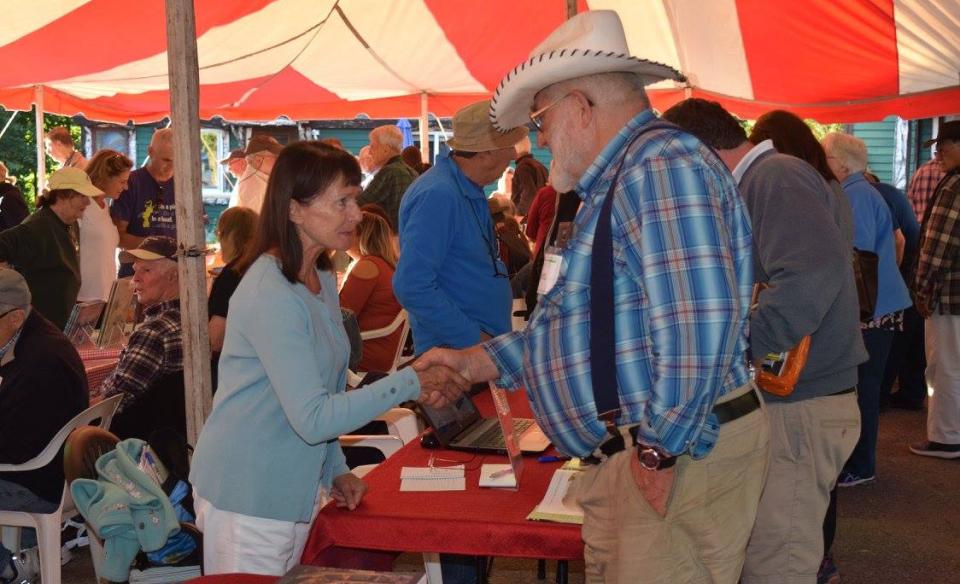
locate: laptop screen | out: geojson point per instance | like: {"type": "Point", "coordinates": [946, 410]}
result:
{"type": "Point", "coordinates": [449, 421]}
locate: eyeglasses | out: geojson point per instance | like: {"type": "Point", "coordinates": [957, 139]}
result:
{"type": "Point", "coordinates": [536, 118]}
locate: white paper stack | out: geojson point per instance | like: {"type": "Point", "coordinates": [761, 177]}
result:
{"type": "Point", "coordinates": [425, 478]}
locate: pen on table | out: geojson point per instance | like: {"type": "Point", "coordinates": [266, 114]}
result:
{"type": "Point", "coordinates": [553, 458]}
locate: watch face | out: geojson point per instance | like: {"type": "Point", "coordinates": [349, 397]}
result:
{"type": "Point", "coordinates": [649, 458]}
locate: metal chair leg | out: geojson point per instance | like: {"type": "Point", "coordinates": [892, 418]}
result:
{"type": "Point", "coordinates": [541, 569]}
{"type": "Point", "coordinates": [562, 572]}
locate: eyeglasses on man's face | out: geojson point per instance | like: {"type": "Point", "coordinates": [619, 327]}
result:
{"type": "Point", "coordinates": [536, 117]}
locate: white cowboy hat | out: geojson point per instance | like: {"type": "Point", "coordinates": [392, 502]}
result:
{"type": "Point", "coordinates": [588, 43]}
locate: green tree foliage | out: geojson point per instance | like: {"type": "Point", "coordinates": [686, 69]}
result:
{"type": "Point", "coordinates": [819, 130]}
{"type": "Point", "coordinates": [18, 147]}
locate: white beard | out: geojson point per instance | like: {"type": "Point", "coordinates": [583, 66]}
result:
{"type": "Point", "coordinates": [564, 173]}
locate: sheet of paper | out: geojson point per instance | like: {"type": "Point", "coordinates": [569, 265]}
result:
{"type": "Point", "coordinates": [556, 506]}
{"type": "Point", "coordinates": [497, 475]}
{"type": "Point", "coordinates": [425, 478]}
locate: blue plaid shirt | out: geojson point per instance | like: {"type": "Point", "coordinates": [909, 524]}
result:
{"type": "Point", "coordinates": [682, 284]}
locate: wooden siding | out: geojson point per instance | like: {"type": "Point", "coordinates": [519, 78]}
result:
{"type": "Point", "coordinates": [880, 140]}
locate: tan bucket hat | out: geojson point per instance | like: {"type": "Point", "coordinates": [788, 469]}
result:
{"type": "Point", "coordinates": [473, 132]}
{"type": "Point", "coordinates": [73, 179]}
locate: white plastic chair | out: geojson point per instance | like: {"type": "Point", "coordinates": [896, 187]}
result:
{"type": "Point", "coordinates": [402, 423]}
{"type": "Point", "coordinates": [48, 524]}
{"type": "Point", "coordinates": [400, 322]}
{"type": "Point", "coordinates": [387, 445]}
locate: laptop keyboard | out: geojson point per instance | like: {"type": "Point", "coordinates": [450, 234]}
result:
{"type": "Point", "coordinates": [493, 437]}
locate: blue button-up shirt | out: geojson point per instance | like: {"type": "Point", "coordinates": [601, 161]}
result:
{"type": "Point", "coordinates": [682, 284]}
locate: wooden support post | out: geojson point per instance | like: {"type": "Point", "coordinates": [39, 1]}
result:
{"type": "Point", "coordinates": [41, 182]}
{"type": "Point", "coordinates": [571, 8]}
{"type": "Point", "coordinates": [424, 129]}
{"type": "Point", "coordinates": [185, 114]}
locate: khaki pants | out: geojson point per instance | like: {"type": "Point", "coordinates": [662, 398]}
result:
{"type": "Point", "coordinates": [809, 442]}
{"type": "Point", "coordinates": [709, 514]}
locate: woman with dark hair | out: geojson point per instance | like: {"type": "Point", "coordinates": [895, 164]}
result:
{"type": "Point", "coordinates": [268, 455]}
{"type": "Point", "coordinates": [44, 247]}
{"type": "Point", "coordinates": [235, 230]}
{"type": "Point", "coordinates": [108, 171]}
{"type": "Point", "coordinates": [791, 135]}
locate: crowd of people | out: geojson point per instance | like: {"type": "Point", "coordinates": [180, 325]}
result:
{"type": "Point", "coordinates": [662, 260]}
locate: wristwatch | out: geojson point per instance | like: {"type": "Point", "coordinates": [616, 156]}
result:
{"type": "Point", "coordinates": [653, 459]}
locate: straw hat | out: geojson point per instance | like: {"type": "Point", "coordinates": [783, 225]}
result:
{"type": "Point", "coordinates": [473, 132]}
{"type": "Point", "coordinates": [73, 179]}
{"type": "Point", "coordinates": [588, 43]}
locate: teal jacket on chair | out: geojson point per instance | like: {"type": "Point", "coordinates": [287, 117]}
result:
{"type": "Point", "coordinates": [125, 508]}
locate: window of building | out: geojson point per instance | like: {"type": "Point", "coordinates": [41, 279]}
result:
{"type": "Point", "coordinates": [214, 147]}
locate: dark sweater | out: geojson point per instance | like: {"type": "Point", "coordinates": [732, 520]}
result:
{"type": "Point", "coordinates": [803, 240]}
{"type": "Point", "coordinates": [13, 209]}
{"type": "Point", "coordinates": [43, 387]}
{"type": "Point", "coordinates": [43, 249]}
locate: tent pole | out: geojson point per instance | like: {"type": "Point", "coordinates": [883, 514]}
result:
{"type": "Point", "coordinates": [38, 132]}
{"type": "Point", "coordinates": [424, 129]}
{"type": "Point", "coordinates": [185, 115]}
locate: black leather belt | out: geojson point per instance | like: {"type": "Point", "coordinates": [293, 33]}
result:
{"type": "Point", "coordinates": [727, 411]}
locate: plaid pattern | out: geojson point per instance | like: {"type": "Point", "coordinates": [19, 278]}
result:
{"type": "Point", "coordinates": [937, 280]}
{"type": "Point", "coordinates": [154, 349]}
{"type": "Point", "coordinates": [922, 186]}
{"type": "Point", "coordinates": [683, 278]}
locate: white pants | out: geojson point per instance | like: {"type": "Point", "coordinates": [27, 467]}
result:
{"type": "Point", "coordinates": [942, 336]}
{"type": "Point", "coordinates": [252, 545]}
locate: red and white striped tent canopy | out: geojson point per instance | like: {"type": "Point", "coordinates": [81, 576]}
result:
{"type": "Point", "coordinates": [833, 60]}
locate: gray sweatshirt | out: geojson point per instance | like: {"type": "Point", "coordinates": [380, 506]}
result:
{"type": "Point", "coordinates": [802, 242]}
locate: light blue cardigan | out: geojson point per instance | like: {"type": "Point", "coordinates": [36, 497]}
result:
{"type": "Point", "coordinates": [271, 439]}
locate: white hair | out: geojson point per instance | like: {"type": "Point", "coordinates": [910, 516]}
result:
{"type": "Point", "coordinates": [612, 87]}
{"type": "Point", "coordinates": [849, 150]}
{"type": "Point", "coordinates": [389, 137]}
{"type": "Point", "coordinates": [161, 135]}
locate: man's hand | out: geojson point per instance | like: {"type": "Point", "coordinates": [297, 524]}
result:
{"type": "Point", "coordinates": [348, 490]}
{"type": "Point", "coordinates": [440, 385]}
{"type": "Point", "coordinates": [473, 364]}
{"type": "Point", "coordinates": [655, 485]}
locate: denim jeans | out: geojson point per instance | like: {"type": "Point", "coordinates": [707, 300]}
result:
{"type": "Point", "coordinates": [863, 461]}
{"type": "Point", "coordinates": [14, 497]}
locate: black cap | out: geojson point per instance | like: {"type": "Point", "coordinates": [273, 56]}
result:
{"type": "Point", "coordinates": [155, 247]}
{"type": "Point", "coordinates": [947, 131]}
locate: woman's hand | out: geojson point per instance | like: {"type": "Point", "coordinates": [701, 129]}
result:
{"type": "Point", "coordinates": [440, 385]}
{"type": "Point", "coordinates": [348, 490]}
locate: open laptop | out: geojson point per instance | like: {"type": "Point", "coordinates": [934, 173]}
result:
{"type": "Point", "coordinates": [460, 427]}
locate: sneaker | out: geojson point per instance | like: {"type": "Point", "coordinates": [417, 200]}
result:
{"type": "Point", "coordinates": [25, 566]}
{"type": "Point", "coordinates": [828, 573]}
{"type": "Point", "coordinates": [848, 479]}
{"type": "Point", "coordinates": [936, 449]}
{"type": "Point", "coordinates": [65, 555]}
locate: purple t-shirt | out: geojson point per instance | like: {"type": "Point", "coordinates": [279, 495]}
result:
{"type": "Point", "coordinates": [149, 208]}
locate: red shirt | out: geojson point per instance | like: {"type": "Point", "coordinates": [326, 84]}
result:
{"type": "Point", "coordinates": [540, 216]}
{"type": "Point", "coordinates": [372, 300]}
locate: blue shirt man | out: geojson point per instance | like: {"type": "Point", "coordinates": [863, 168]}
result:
{"type": "Point", "coordinates": [450, 278]}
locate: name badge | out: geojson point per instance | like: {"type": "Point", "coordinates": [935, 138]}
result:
{"type": "Point", "coordinates": [551, 270]}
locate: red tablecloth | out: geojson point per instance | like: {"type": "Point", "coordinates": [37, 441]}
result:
{"type": "Point", "coordinates": [234, 579]}
{"type": "Point", "coordinates": [483, 522]}
{"type": "Point", "coordinates": [97, 371]}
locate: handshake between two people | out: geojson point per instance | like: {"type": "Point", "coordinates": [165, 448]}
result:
{"type": "Point", "coordinates": [446, 374]}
